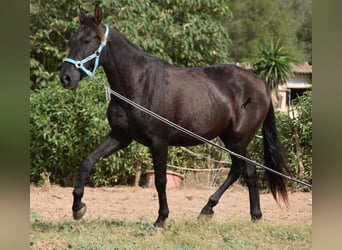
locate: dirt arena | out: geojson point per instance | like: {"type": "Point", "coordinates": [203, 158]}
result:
{"type": "Point", "coordinates": [134, 203]}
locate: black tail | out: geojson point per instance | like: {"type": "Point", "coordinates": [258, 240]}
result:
{"type": "Point", "coordinates": [274, 158]}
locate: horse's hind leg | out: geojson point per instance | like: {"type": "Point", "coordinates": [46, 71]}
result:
{"type": "Point", "coordinates": [249, 175]}
{"type": "Point", "coordinates": [234, 174]}
{"type": "Point", "coordinates": [248, 172]}
{"type": "Point", "coordinates": [109, 146]}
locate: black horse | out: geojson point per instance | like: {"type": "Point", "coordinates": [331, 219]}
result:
{"type": "Point", "coordinates": [222, 101]}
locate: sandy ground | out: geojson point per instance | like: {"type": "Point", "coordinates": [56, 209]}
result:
{"type": "Point", "coordinates": [134, 203]}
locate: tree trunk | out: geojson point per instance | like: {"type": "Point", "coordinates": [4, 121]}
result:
{"type": "Point", "coordinates": [275, 98]}
{"type": "Point", "coordinates": [299, 150]}
{"type": "Point", "coordinates": [138, 174]}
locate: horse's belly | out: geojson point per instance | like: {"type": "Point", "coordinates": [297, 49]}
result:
{"type": "Point", "coordinates": [205, 128]}
{"type": "Point", "coordinates": [186, 140]}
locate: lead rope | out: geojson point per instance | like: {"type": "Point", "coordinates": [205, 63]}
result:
{"type": "Point", "coordinates": [109, 91]}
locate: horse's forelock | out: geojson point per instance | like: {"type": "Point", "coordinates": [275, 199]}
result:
{"type": "Point", "coordinates": [90, 22]}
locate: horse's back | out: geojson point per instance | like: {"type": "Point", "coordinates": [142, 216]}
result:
{"type": "Point", "coordinates": [216, 100]}
{"type": "Point", "coordinates": [225, 81]}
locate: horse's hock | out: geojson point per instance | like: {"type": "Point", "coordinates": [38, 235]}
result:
{"type": "Point", "coordinates": [174, 180]}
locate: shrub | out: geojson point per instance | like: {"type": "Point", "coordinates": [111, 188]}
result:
{"type": "Point", "coordinates": [65, 126]}
{"type": "Point", "coordinates": [185, 33]}
{"type": "Point", "coordinates": [303, 123]}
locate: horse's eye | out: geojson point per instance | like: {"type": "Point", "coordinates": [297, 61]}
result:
{"type": "Point", "coordinates": [86, 41]}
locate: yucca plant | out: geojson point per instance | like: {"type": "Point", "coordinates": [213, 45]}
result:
{"type": "Point", "coordinates": [273, 64]}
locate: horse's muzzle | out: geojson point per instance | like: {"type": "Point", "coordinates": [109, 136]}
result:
{"type": "Point", "coordinates": [69, 81]}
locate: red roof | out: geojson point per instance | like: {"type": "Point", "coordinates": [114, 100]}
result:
{"type": "Point", "coordinates": [304, 68]}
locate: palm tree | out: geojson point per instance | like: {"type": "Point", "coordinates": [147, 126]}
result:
{"type": "Point", "coordinates": [274, 65]}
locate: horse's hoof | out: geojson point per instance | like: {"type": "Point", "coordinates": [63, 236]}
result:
{"type": "Point", "coordinates": [256, 215]}
{"type": "Point", "coordinates": [79, 213]}
{"type": "Point", "coordinates": [206, 216]}
{"type": "Point", "coordinates": [159, 223]}
{"type": "Point", "coordinates": [255, 219]}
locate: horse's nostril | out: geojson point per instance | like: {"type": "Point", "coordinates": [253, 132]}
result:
{"type": "Point", "coordinates": [65, 79]}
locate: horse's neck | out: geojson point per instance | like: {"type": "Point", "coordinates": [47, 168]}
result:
{"type": "Point", "coordinates": [121, 65]}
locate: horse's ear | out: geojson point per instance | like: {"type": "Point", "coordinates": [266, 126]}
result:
{"type": "Point", "coordinates": [98, 15]}
{"type": "Point", "coordinates": [81, 15]}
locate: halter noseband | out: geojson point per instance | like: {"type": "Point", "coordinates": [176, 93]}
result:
{"type": "Point", "coordinates": [96, 55]}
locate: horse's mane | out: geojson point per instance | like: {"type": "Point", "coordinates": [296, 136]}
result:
{"type": "Point", "coordinates": [90, 22]}
{"type": "Point", "coordinates": [123, 37]}
{"type": "Point", "coordinates": [137, 49]}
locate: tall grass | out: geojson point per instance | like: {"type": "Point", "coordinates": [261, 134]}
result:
{"type": "Point", "coordinates": [106, 234]}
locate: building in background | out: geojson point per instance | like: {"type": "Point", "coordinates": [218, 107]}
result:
{"type": "Point", "coordinates": [296, 85]}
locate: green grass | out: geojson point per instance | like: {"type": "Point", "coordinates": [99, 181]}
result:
{"type": "Point", "coordinates": [108, 234]}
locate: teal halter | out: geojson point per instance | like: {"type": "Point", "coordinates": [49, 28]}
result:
{"type": "Point", "coordinates": [96, 55]}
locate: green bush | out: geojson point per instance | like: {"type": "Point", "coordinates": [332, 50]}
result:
{"type": "Point", "coordinates": [185, 33]}
{"type": "Point", "coordinates": [303, 123]}
{"type": "Point", "coordinates": [51, 26]}
{"type": "Point", "coordinates": [65, 126]}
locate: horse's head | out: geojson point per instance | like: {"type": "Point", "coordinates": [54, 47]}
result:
{"type": "Point", "coordinates": [85, 48]}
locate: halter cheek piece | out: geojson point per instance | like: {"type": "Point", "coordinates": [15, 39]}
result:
{"type": "Point", "coordinates": [96, 55]}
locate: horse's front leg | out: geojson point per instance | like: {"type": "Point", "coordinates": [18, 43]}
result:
{"type": "Point", "coordinates": [159, 155]}
{"type": "Point", "coordinates": [109, 146]}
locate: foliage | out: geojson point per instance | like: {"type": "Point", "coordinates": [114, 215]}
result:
{"type": "Point", "coordinates": [65, 126]}
{"type": "Point", "coordinates": [51, 26]}
{"type": "Point", "coordinates": [303, 122]}
{"type": "Point", "coordinates": [254, 23]}
{"type": "Point", "coordinates": [186, 33]}
{"type": "Point", "coordinates": [303, 13]}
{"type": "Point", "coordinates": [185, 234]}
{"type": "Point", "coordinates": [273, 65]}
